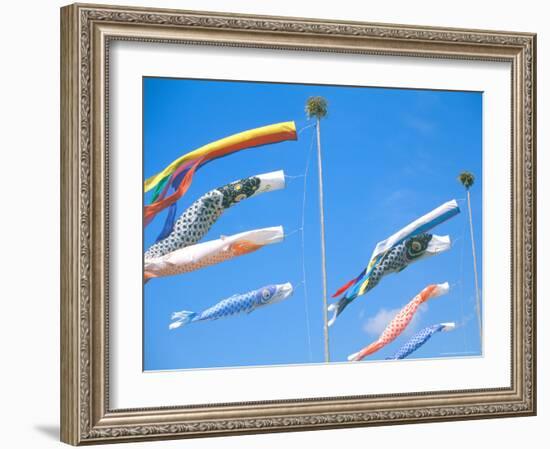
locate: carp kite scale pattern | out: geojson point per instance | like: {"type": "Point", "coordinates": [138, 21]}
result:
{"type": "Point", "coordinates": [401, 320]}
{"type": "Point", "coordinates": [197, 220]}
{"type": "Point", "coordinates": [179, 174]}
{"type": "Point", "coordinates": [235, 305]}
{"type": "Point", "coordinates": [204, 254]}
{"type": "Point", "coordinates": [393, 261]}
{"type": "Point", "coordinates": [420, 339]}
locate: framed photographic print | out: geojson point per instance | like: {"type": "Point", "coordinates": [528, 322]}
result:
{"type": "Point", "coordinates": [281, 224]}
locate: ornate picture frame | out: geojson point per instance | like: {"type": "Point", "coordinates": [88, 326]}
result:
{"type": "Point", "coordinates": [87, 31]}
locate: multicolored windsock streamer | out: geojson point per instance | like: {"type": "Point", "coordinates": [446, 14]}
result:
{"type": "Point", "coordinates": [396, 259]}
{"type": "Point", "coordinates": [235, 305]}
{"type": "Point", "coordinates": [212, 252]}
{"type": "Point", "coordinates": [420, 338]}
{"type": "Point", "coordinates": [196, 221]}
{"type": "Point", "coordinates": [179, 174]}
{"type": "Point", "coordinates": [401, 320]}
{"type": "Point", "coordinates": [361, 283]}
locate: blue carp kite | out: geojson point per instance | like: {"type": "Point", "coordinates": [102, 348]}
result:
{"type": "Point", "coordinates": [420, 338]}
{"type": "Point", "coordinates": [235, 305]}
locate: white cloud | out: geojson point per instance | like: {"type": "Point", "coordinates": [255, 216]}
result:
{"type": "Point", "coordinates": [375, 325]}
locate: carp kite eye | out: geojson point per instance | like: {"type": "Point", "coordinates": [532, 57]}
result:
{"type": "Point", "coordinates": [266, 294]}
{"type": "Point", "coordinates": [238, 187]}
{"type": "Point", "coordinates": [416, 246]}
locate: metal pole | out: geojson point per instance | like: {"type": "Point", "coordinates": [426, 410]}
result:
{"type": "Point", "coordinates": [323, 258]}
{"type": "Point", "coordinates": [478, 307]}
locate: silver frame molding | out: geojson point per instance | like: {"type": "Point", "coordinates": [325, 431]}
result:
{"type": "Point", "coordinates": [86, 33]}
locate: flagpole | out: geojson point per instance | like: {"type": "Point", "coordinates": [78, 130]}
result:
{"type": "Point", "coordinates": [323, 257]}
{"type": "Point", "coordinates": [467, 179]}
{"type": "Point", "coordinates": [478, 302]}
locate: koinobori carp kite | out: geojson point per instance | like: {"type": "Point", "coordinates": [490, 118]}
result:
{"type": "Point", "coordinates": [396, 259]}
{"type": "Point", "coordinates": [204, 254]}
{"type": "Point", "coordinates": [235, 305]}
{"type": "Point", "coordinates": [361, 283]}
{"type": "Point", "coordinates": [195, 222]}
{"type": "Point", "coordinates": [179, 174]}
{"type": "Point", "coordinates": [420, 338]}
{"type": "Point", "coordinates": [401, 320]}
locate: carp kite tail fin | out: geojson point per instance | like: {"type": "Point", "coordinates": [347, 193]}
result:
{"type": "Point", "coordinates": [364, 275]}
{"type": "Point", "coordinates": [182, 318]}
{"type": "Point", "coordinates": [338, 308]}
{"type": "Point", "coordinates": [344, 287]}
{"type": "Point", "coordinates": [357, 356]}
{"type": "Point", "coordinates": [147, 276]}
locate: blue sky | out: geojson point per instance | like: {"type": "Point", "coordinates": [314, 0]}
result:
{"type": "Point", "coordinates": [389, 155]}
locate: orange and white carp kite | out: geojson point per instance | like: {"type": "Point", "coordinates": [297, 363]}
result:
{"type": "Point", "coordinates": [201, 255]}
{"type": "Point", "coordinates": [401, 320]}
